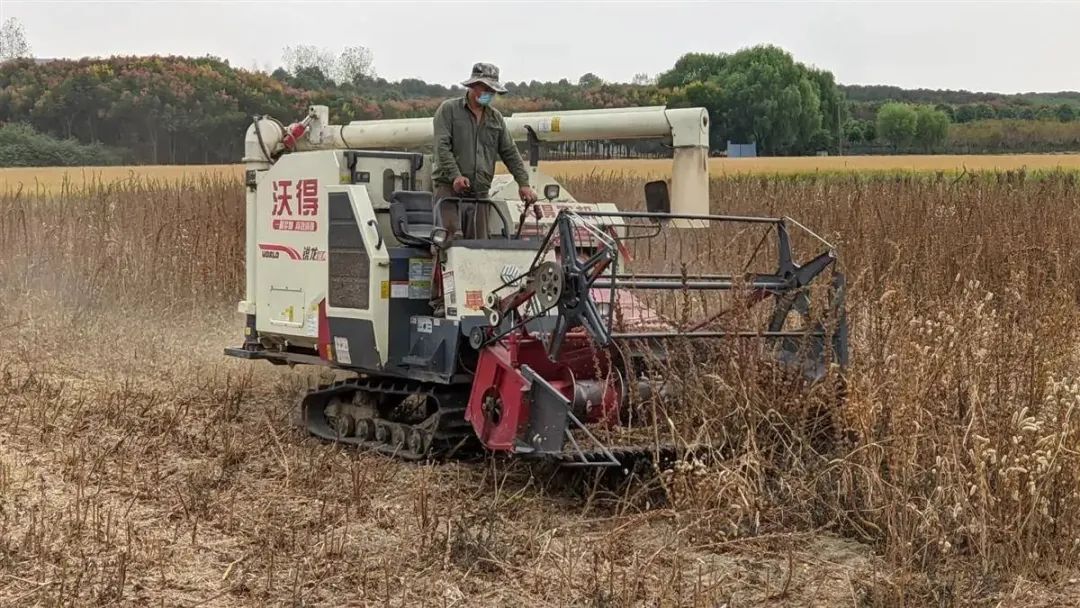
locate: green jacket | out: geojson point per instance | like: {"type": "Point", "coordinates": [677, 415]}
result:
{"type": "Point", "coordinates": [463, 147]}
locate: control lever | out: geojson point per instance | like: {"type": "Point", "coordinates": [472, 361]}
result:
{"type": "Point", "coordinates": [525, 212]}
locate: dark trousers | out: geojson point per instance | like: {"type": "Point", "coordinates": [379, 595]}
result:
{"type": "Point", "coordinates": [473, 216]}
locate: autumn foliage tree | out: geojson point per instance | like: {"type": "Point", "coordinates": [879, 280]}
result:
{"type": "Point", "coordinates": [164, 109]}
{"type": "Point", "coordinates": [182, 110]}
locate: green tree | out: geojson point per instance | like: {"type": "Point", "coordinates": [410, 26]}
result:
{"type": "Point", "coordinates": [931, 127]}
{"type": "Point", "coordinates": [770, 99]}
{"type": "Point", "coordinates": [834, 107]}
{"type": "Point", "coordinates": [706, 95]}
{"type": "Point", "coordinates": [897, 124]}
{"type": "Point", "coordinates": [589, 81]}
{"type": "Point", "coordinates": [853, 132]}
{"type": "Point", "coordinates": [692, 67]}
{"type": "Point", "coordinates": [312, 78]}
{"type": "Point", "coordinates": [965, 113]}
{"type": "Point", "coordinates": [869, 130]}
{"type": "Point", "coordinates": [1066, 113]}
{"type": "Point", "coordinates": [760, 94]}
{"type": "Point", "coordinates": [984, 111]}
{"type": "Point", "coordinates": [22, 146]}
{"type": "Point", "coordinates": [1046, 113]}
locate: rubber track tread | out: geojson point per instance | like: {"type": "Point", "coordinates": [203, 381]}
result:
{"type": "Point", "coordinates": [444, 430]}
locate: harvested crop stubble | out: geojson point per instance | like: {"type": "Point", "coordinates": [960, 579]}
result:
{"type": "Point", "coordinates": [138, 465]}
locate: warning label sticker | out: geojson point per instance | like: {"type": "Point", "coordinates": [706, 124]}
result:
{"type": "Point", "coordinates": [548, 125]}
{"type": "Point", "coordinates": [419, 286]}
{"type": "Point", "coordinates": [341, 350]}
{"type": "Point", "coordinates": [449, 288]}
{"type": "Point", "coordinates": [399, 289]}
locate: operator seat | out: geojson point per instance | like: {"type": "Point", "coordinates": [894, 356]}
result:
{"type": "Point", "coordinates": [411, 217]}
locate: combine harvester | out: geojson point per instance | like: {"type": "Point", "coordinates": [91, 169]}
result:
{"type": "Point", "coordinates": [555, 328]}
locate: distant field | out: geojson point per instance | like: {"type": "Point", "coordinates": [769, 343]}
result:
{"type": "Point", "coordinates": [811, 164]}
{"type": "Point", "coordinates": [52, 177]}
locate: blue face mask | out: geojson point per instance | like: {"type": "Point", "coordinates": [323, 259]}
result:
{"type": "Point", "coordinates": [485, 98]}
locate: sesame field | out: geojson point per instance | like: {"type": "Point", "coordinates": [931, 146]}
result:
{"type": "Point", "coordinates": [141, 467]}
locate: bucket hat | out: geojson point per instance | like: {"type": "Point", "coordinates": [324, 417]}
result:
{"type": "Point", "coordinates": [486, 73]}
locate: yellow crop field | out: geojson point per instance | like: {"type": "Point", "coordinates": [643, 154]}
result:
{"type": "Point", "coordinates": [829, 164]}
{"type": "Point", "coordinates": [50, 178]}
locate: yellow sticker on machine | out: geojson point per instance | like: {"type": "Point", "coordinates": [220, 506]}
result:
{"type": "Point", "coordinates": [385, 290]}
{"type": "Point", "coordinates": [555, 124]}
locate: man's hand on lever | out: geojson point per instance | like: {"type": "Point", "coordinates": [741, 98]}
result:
{"type": "Point", "coordinates": [527, 194]}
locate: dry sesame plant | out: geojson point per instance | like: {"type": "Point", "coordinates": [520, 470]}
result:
{"type": "Point", "coordinates": [139, 466]}
{"type": "Point", "coordinates": [955, 455]}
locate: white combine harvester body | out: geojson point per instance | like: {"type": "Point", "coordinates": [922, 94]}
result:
{"type": "Point", "coordinates": [548, 324]}
{"type": "Point", "coordinates": [323, 205]}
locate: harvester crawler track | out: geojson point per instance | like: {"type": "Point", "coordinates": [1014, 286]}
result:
{"type": "Point", "coordinates": [442, 434]}
{"type": "Point", "coordinates": [437, 435]}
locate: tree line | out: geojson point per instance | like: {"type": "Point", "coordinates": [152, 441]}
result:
{"type": "Point", "coordinates": [194, 110]}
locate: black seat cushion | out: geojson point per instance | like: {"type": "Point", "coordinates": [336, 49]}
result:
{"type": "Point", "coordinates": [411, 217]}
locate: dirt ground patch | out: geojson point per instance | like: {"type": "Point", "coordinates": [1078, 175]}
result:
{"type": "Point", "coordinates": [145, 468]}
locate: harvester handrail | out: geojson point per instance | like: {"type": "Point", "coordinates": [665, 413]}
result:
{"type": "Point", "coordinates": [659, 335]}
{"type": "Point", "coordinates": [810, 232]}
{"type": "Point", "coordinates": [746, 219]}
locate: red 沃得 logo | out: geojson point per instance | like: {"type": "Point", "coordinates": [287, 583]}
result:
{"type": "Point", "coordinates": [291, 200]}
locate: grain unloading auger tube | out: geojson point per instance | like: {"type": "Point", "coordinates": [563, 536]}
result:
{"type": "Point", "coordinates": [572, 339]}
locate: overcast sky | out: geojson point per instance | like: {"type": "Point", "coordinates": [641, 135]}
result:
{"type": "Point", "coordinates": [982, 46]}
